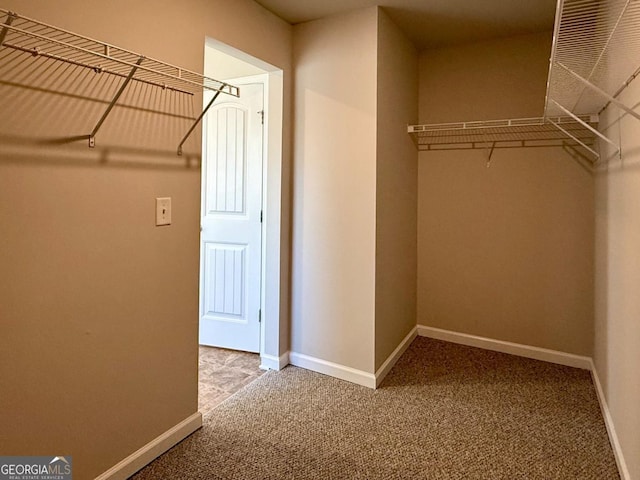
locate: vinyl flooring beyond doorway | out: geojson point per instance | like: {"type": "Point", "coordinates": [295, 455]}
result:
{"type": "Point", "coordinates": [222, 373]}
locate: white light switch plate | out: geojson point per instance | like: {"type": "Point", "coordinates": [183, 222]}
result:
{"type": "Point", "coordinates": [163, 211]}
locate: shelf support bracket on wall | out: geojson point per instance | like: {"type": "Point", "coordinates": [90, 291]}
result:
{"type": "Point", "coordinates": [586, 125]}
{"type": "Point", "coordinates": [575, 139]}
{"type": "Point", "coordinates": [92, 135]}
{"type": "Point", "coordinates": [590, 85]}
{"type": "Point", "coordinates": [3, 33]}
{"type": "Point", "coordinates": [195, 124]}
{"type": "Point", "coordinates": [493, 146]}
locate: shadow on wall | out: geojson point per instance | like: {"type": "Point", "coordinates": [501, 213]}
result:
{"type": "Point", "coordinates": [613, 163]}
{"type": "Point", "coordinates": [73, 152]}
{"type": "Point", "coordinates": [612, 160]}
{"type": "Point", "coordinates": [55, 106]}
{"type": "Point", "coordinates": [580, 156]}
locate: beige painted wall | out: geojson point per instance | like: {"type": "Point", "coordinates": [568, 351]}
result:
{"type": "Point", "coordinates": [396, 189]}
{"type": "Point", "coordinates": [223, 66]}
{"type": "Point", "coordinates": [504, 78]}
{"type": "Point", "coordinates": [504, 252]}
{"type": "Point", "coordinates": [99, 308]}
{"type": "Point", "coordinates": [333, 271]}
{"type": "Point", "coordinates": [617, 266]}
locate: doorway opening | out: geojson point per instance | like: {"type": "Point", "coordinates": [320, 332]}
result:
{"type": "Point", "coordinates": [240, 244]}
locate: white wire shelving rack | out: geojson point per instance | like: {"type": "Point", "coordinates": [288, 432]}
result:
{"type": "Point", "coordinates": [509, 133]}
{"type": "Point", "coordinates": [44, 41]}
{"type": "Point", "coordinates": [595, 55]}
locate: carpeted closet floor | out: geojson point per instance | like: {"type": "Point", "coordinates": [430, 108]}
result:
{"type": "Point", "coordinates": [445, 411]}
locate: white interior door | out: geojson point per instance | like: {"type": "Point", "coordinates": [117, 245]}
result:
{"type": "Point", "coordinates": [231, 230]}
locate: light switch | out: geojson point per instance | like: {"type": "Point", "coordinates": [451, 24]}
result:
{"type": "Point", "coordinates": [163, 211]}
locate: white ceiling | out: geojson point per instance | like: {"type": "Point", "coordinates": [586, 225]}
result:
{"type": "Point", "coordinates": [432, 23]}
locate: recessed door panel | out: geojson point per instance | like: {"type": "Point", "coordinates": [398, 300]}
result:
{"type": "Point", "coordinates": [225, 282]}
{"type": "Point", "coordinates": [226, 161]}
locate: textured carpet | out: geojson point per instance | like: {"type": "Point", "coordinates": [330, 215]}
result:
{"type": "Point", "coordinates": [444, 412]}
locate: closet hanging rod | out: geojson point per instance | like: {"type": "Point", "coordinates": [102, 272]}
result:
{"type": "Point", "coordinates": [75, 51]}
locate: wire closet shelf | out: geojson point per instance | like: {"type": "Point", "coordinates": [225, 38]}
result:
{"type": "Point", "coordinates": [42, 40]}
{"type": "Point", "coordinates": [508, 133]}
{"type": "Point", "coordinates": [594, 57]}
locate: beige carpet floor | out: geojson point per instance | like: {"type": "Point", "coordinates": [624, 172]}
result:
{"type": "Point", "coordinates": [444, 412]}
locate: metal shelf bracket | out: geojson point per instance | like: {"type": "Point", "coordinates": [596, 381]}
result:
{"type": "Point", "coordinates": [587, 126]}
{"type": "Point", "coordinates": [198, 120]}
{"type": "Point", "coordinates": [92, 135]}
{"type": "Point", "coordinates": [3, 33]}
{"type": "Point", "coordinates": [575, 139]}
{"type": "Point", "coordinates": [493, 146]}
{"type": "Point", "coordinates": [590, 85]}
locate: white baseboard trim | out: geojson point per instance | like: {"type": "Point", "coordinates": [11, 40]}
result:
{"type": "Point", "coordinates": [608, 421]}
{"type": "Point", "coordinates": [153, 449]}
{"type": "Point", "coordinates": [333, 369]}
{"type": "Point", "coordinates": [388, 364]}
{"type": "Point", "coordinates": [271, 362]}
{"type": "Point", "coordinates": [527, 351]}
